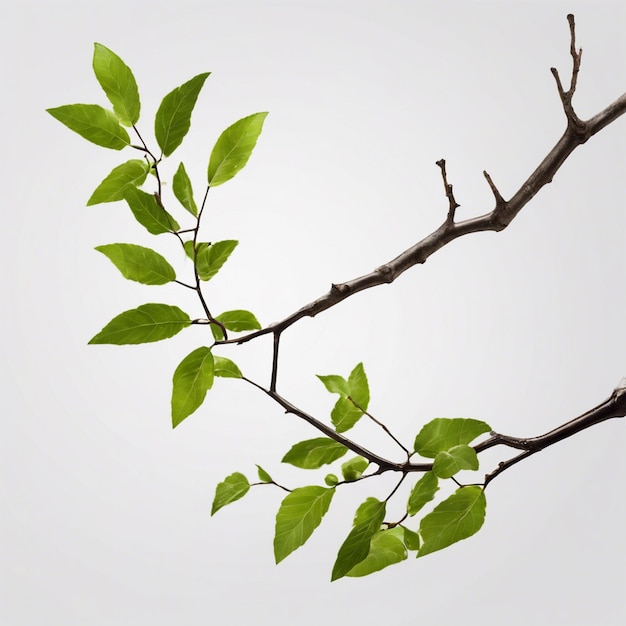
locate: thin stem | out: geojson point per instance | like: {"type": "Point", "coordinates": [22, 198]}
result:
{"type": "Point", "coordinates": [358, 406]}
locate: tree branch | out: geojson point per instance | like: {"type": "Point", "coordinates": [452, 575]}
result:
{"type": "Point", "coordinates": [576, 133]}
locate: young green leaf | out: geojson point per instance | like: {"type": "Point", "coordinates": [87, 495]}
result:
{"type": "Point", "coordinates": [225, 368]}
{"type": "Point", "coordinates": [149, 212]}
{"type": "Point", "coordinates": [210, 258]}
{"type": "Point", "coordinates": [313, 453]}
{"type": "Point", "coordinates": [181, 185]}
{"type": "Point", "coordinates": [147, 323]}
{"type": "Point", "coordinates": [354, 468]}
{"type": "Point", "coordinates": [236, 321]}
{"type": "Point", "coordinates": [130, 174]}
{"type": "Point", "coordinates": [458, 517]}
{"type": "Point", "coordinates": [173, 118]}
{"type": "Point", "coordinates": [448, 462]}
{"type": "Point", "coordinates": [331, 479]}
{"type": "Point", "coordinates": [138, 263]}
{"type": "Point", "coordinates": [411, 539]}
{"type": "Point", "coordinates": [192, 379]}
{"type": "Point", "coordinates": [335, 384]}
{"type": "Point", "coordinates": [300, 513]}
{"type": "Point", "coordinates": [93, 123]}
{"type": "Point", "coordinates": [386, 548]}
{"type": "Point", "coordinates": [354, 397]}
{"type": "Point", "coordinates": [234, 487]}
{"type": "Point", "coordinates": [345, 415]}
{"type": "Point", "coordinates": [423, 492]}
{"type": "Point", "coordinates": [118, 82]}
{"type": "Point", "coordinates": [443, 433]}
{"type": "Point", "coordinates": [263, 475]}
{"type": "Point", "coordinates": [233, 148]}
{"type": "Point", "coordinates": [355, 548]}
{"type": "Point", "coordinates": [359, 389]}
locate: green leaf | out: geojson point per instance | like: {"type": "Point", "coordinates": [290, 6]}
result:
{"type": "Point", "coordinates": [448, 462]}
{"type": "Point", "coordinates": [211, 257]}
{"type": "Point", "coordinates": [411, 539]}
{"type": "Point", "coordinates": [192, 379]}
{"type": "Point", "coordinates": [173, 118]}
{"type": "Point", "coordinates": [147, 323]}
{"type": "Point", "coordinates": [149, 212]}
{"type": "Point", "coordinates": [345, 415]}
{"type": "Point", "coordinates": [225, 368]}
{"type": "Point", "coordinates": [354, 468]}
{"type": "Point", "coordinates": [234, 487]}
{"type": "Point", "coordinates": [458, 517]}
{"type": "Point", "coordinates": [138, 263]}
{"type": "Point", "coordinates": [335, 384]}
{"type": "Point", "coordinates": [313, 453]}
{"type": "Point", "coordinates": [331, 479]}
{"type": "Point", "coordinates": [93, 123]}
{"type": "Point", "coordinates": [181, 185]}
{"type": "Point", "coordinates": [233, 148]}
{"type": "Point", "coordinates": [386, 548]}
{"type": "Point", "coordinates": [188, 245]}
{"type": "Point", "coordinates": [118, 82]}
{"type": "Point", "coordinates": [263, 475]}
{"type": "Point", "coordinates": [423, 492]}
{"type": "Point", "coordinates": [444, 433]}
{"type": "Point", "coordinates": [130, 174]}
{"type": "Point", "coordinates": [355, 548]}
{"type": "Point", "coordinates": [355, 397]}
{"type": "Point", "coordinates": [236, 321]}
{"type": "Point", "coordinates": [359, 389]}
{"type": "Point", "coordinates": [300, 513]}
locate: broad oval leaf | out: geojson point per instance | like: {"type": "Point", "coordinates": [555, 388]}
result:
{"type": "Point", "coordinates": [119, 84]}
{"type": "Point", "coordinates": [448, 462]}
{"type": "Point", "coordinates": [458, 517]}
{"type": "Point", "coordinates": [149, 212]}
{"type": "Point", "coordinates": [181, 185]}
{"type": "Point", "coordinates": [138, 263]}
{"type": "Point", "coordinates": [210, 258]}
{"type": "Point", "coordinates": [444, 433]}
{"type": "Point", "coordinates": [354, 468]}
{"type": "Point", "coordinates": [133, 173]}
{"type": "Point", "coordinates": [300, 513]}
{"type": "Point", "coordinates": [354, 549]}
{"type": "Point", "coordinates": [233, 148]}
{"type": "Point", "coordinates": [313, 453]}
{"type": "Point", "coordinates": [173, 118]}
{"type": "Point", "coordinates": [225, 368]}
{"type": "Point", "coordinates": [345, 415]}
{"type": "Point", "coordinates": [423, 492]}
{"type": "Point", "coordinates": [145, 324]}
{"type": "Point", "coordinates": [234, 487]}
{"type": "Point", "coordinates": [386, 548]}
{"type": "Point", "coordinates": [237, 321]}
{"type": "Point", "coordinates": [192, 379]}
{"type": "Point", "coordinates": [93, 123]}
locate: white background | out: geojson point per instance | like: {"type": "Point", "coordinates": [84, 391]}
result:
{"type": "Point", "coordinates": [106, 510]}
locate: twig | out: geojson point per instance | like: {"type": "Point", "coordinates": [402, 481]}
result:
{"type": "Point", "coordinates": [453, 204]}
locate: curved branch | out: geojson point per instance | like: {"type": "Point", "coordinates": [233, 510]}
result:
{"type": "Point", "coordinates": [498, 219]}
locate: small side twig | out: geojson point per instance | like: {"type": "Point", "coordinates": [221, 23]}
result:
{"type": "Point", "coordinates": [453, 204]}
{"type": "Point", "coordinates": [566, 96]}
